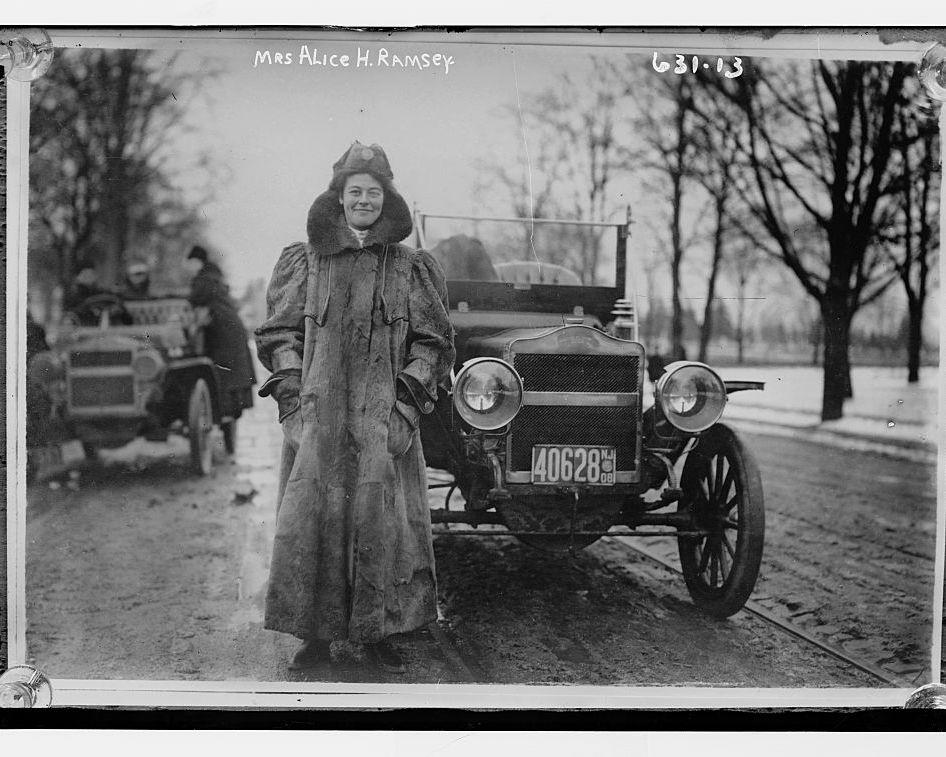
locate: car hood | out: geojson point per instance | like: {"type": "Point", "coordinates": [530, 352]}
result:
{"type": "Point", "coordinates": [487, 334]}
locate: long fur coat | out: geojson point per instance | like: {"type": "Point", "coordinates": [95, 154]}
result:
{"type": "Point", "coordinates": [353, 554]}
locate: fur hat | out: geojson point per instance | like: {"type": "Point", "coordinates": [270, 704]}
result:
{"type": "Point", "coordinates": [325, 226]}
{"type": "Point", "coordinates": [361, 158]}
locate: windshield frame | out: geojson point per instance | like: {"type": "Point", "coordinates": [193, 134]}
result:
{"type": "Point", "coordinates": [620, 252]}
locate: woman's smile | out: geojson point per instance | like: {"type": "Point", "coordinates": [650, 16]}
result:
{"type": "Point", "coordinates": [362, 199]}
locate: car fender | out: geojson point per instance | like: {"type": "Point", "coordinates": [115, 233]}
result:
{"type": "Point", "coordinates": [742, 386]}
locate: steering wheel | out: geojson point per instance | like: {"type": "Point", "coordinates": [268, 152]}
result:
{"type": "Point", "coordinates": [92, 308]}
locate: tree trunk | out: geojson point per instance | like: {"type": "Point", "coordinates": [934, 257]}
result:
{"type": "Point", "coordinates": [676, 319]}
{"type": "Point", "coordinates": [925, 245]}
{"type": "Point", "coordinates": [676, 236]}
{"type": "Point", "coordinates": [914, 340]}
{"type": "Point", "coordinates": [740, 332]}
{"type": "Point", "coordinates": [706, 330]}
{"type": "Point", "coordinates": [846, 355]}
{"type": "Point", "coordinates": [837, 325]}
{"type": "Point", "coordinates": [115, 232]}
{"type": "Point", "coordinates": [676, 316]}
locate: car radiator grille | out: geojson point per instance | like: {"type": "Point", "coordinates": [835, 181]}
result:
{"type": "Point", "coordinates": [576, 423]}
{"type": "Point", "coordinates": [546, 424]}
{"type": "Point", "coordinates": [578, 373]}
{"type": "Point", "coordinates": [100, 358]}
{"type": "Point", "coordinates": [98, 391]}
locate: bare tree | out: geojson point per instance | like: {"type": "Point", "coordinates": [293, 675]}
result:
{"type": "Point", "coordinates": [103, 180]}
{"type": "Point", "coordinates": [744, 267]}
{"type": "Point", "coordinates": [668, 133]}
{"type": "Point", "coordinates": [715, 162]}
{"type": "Point", "coordinates": [823, 181]}
{"type": "Point", "coordinates": [573, 153]}
{"type": "Point", "coordinates": [919, 236]}
{"type": "Point", "coordinates": [585, 113]}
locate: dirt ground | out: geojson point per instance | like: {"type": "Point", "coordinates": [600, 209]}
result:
{"type": "Point", "coordinates": [849, 555]}
{"type": "Point", "coordinates": [139, 570]}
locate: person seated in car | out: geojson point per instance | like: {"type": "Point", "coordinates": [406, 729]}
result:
{"type": "Point", "coordinates": [86, 299]}
{"type": "Point", "coordinates": [137, 281]}
{"type": "Point", "coordinates": [84, 286]}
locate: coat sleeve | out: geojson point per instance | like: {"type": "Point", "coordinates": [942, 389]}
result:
{"type": "Point", "coordinates": [430, 351]}
{"type": "Point", "coordinates": [280, 339]}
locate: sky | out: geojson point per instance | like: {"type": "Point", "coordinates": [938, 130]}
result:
{"type": "Point", "coordinates": [277, 129]}
{"type": "Point", "coordinates": [273, 129]}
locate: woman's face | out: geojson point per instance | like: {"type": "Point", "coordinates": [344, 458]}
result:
{"type": "Point", "coordinates": [362, 199]}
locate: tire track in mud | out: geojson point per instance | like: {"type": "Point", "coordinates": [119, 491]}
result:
{"type": "Point", "coordinates": [603, 618]}
{"type": "Point", "coordinates": [755, 609]}
{"type": "Point", "coordinates": [149, 560]}
{"type": "Point", "coordinates": [858, 533]}
{"type": "Point", "coordinates": [848, 558]}
{"type": "Point", "coordinates": [849, 549]}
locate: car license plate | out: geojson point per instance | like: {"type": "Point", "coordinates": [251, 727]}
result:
{"type": "Point", "coordinates": [573, 464]}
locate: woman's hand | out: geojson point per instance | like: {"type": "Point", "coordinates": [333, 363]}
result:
{"type": "Point", "coordinates": [402, 425]}
{"type": "Point", "coordinates": [286, 394]}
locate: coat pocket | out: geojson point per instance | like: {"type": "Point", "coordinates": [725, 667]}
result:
{"type": "Point", "coordinates": [292, 428]}
{"type": "Point", "coordinates": [400, 434]}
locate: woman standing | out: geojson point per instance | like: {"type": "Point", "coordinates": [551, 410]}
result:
{"type": "Point", "coordinates": [225, 337]}
{"type": "Point", "coordinates": [358, 339]}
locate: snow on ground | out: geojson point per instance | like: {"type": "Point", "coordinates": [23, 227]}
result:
{"type": "Point", "coordinates": [884, 407]}
{"type": "Point", "coordinates": [881, 393]}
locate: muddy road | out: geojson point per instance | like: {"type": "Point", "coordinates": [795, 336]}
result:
{"type": "Point", "coordinates": [139, 570]}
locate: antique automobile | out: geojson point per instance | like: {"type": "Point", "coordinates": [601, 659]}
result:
{"type": "Point", "coordinates": [547, 428]}
{"type": "Point", "coordinates": [139, 371]}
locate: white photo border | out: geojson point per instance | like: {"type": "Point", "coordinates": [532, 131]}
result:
{"type": "Point", "coordinates": [860, 44]}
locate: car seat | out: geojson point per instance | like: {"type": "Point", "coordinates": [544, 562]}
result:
{"type": "Point", "coordinates": [534, 272]}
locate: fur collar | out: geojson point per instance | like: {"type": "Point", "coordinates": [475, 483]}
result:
{"type": "Point", "coordinates": [329, 233]}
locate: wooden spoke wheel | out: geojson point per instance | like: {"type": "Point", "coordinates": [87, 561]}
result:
{"type": "Point", "coordinates": [199, 425]}
{"type": "Point", "coordinates": [722, 493]}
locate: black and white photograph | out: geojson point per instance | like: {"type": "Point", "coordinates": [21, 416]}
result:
{"type": "Point", "coordinates": [548, 360]}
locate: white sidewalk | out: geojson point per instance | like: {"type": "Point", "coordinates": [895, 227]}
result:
{"type": "Point", "coordinates": [885, 409]}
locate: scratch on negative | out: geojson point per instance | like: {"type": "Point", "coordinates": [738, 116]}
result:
{"type": "Point", "coordinates": [525, 142]}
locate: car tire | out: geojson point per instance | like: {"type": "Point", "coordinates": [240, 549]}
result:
{"type": "Point", "coordinates": [199, 426]}
{"type": "Point", "coordinates": [722, 493]}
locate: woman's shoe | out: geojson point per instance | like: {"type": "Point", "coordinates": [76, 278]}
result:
{"type": "Point", "coordinates": [311, 653]}
{"type": "Point", "coordinates": [386, 657]}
